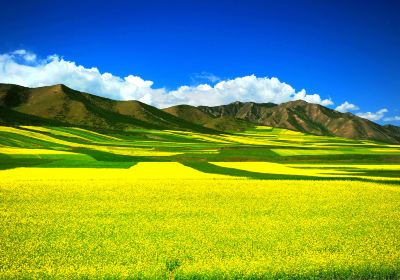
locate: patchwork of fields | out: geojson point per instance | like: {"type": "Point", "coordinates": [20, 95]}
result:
{"type": "Point", "coordinates": [265, 203]}
{"type": "Point", "coordinates": [77, 147]}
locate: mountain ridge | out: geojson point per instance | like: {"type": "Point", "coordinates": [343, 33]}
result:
{"type": "Point", "coordinates": [311, 118]}
{"type": "Point", "coordinates": [305, 117]}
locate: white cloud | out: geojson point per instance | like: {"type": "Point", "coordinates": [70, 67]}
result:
{"type": "Point", "coordinates": [55, 70]}
{"type": "Point", "coordinates": [205, 76]}
{"type": "Point", "coordinates": [248, 88]}
{"type": "Point", "coordinates": [312, 98]}
{"type": "Point", "coordinates": [391, 119]}
{"type": "Point", "coordinates": [24, 68]}
{"type": "Point", "coordinates": [346, 107]}
{"type": "Point", "coordinates": [24, 54]}
{"type": "Point", "coordinates": [373, 116]}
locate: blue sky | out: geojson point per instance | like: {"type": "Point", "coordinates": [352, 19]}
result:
{"type": "Point", "coordinates": [339, 50]}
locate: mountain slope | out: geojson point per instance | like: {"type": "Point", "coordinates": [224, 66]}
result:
{"type": "Point", "coordinates": [61, 105]}
{"type": "Point", "coordinates": [394, 130]}
{"type": "Point", "coordinates": [306, 117]}
{"type": "Point", "coordinates": [249, 110]}
{"type": "Point", "coordinates": [197, 116]}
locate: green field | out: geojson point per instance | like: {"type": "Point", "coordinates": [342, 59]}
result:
{"type": "Point", "coordinates": [264, 203]}
{"type": "Point", "coordinates": [30, 146]}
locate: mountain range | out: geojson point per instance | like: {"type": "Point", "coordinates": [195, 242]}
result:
{"type": "Point", "coordinates": [299, 116]}
{"type": "Point", "coordinates": [60, 105]}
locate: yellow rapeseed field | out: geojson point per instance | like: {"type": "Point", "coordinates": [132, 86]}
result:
{"type": "Point", "coordinates": [313, 170]}
{"type": "Point", "coordinates": [116, 223]}
{"type": "Point", "coordinates": [24, 151]}
{"type": "Point", "coordinates": [271, 168]}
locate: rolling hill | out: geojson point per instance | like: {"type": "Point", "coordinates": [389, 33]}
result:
{"type": "Point", "coordinates": [60, 105]}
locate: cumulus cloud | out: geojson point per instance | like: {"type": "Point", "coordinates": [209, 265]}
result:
{"type": "Point", "coordinates": [346, 107]}
{"type": "Point", "coordinates": [24, 68]}
{"type": "Point", "coordinates": [56, 70]}
{"type": "Point", "coordinates": [391, 119]}
{"type": "Point", "coordinates": [373, 116]}
{"type": "Point", "coordinates": [246, 89]}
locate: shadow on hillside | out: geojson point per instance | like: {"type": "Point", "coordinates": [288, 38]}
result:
{"type": "Point", "coordinates": [7, 162]}
{"type": "Point", "coordinates": [94, 159]}
{"type": "Point", "coordinates": [207, 167]}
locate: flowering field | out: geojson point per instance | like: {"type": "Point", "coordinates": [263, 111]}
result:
{"type": "Point", "coordinates": [25, 146]}
{"type": "Point", "coordinates": [75, 223]}
{"type": "Point", "coordinates": [163, 204]}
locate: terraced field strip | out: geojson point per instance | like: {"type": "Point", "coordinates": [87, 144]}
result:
{"type": "Point", "coordinates": [354, 171]}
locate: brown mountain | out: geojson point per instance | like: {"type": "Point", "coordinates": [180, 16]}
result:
{"type": "Point", "coordinates": [392, 129]}
{"type": "Point", "coordinates": [197, 116]}
{"type": "Point", "coordinates": [306, 117]}
{"type": "Point", "coordinates": [60, 105]}
{"type": "Point", "coordinates": [296, 115]}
